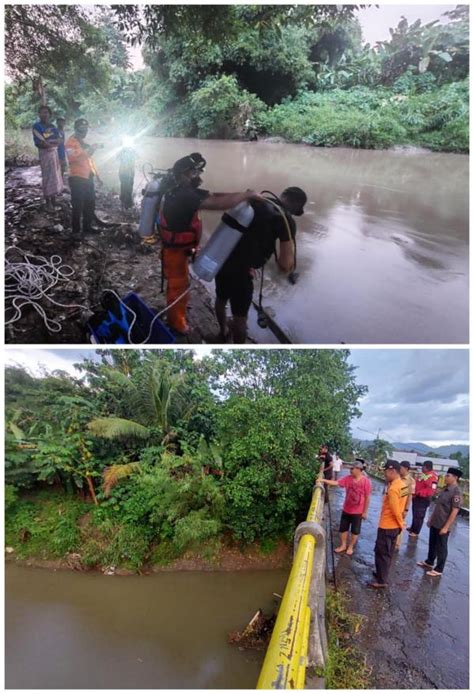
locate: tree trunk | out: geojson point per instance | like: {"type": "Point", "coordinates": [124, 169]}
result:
{"type": "Point", "coordinates": [91, 489]}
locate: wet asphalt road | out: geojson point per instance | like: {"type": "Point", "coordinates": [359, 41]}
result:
{"type": "Point", "coordinates": [416, 634]}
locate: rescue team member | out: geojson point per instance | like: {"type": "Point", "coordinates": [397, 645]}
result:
{"type": "Point", "coordinates": [234, 281]}
{"type": "Point", "coordinates": [47, 139]}
{"type": "Point", "coordinates": [425, 487]}
{"type": "Point", "coordinates": [356, 505]}
{"type": "Point", "coordinates": [180, 228]}
{"type": "Point", "coordinates": [81, 178]}
{"type": "Point", "coordinates": [407, 492]}
{"type": "Point", "coordinates": [444, 514]}
{"type": "Point", "coordinates": [391, 524]}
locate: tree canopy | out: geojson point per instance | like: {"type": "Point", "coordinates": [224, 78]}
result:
{"type": "Point", "coordinates": [187, 448]}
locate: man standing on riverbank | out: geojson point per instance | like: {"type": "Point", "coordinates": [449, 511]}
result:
{"type": "Point", "coordinates": [181, 228]}
{"type": "Point", "coordinates": [356, 506]}
{"type": "Point", "coordinates": [391, 524]}
{"type": "Point", "coordinates": [445, 511]}
{"type": "Point", "coordinates": [47, 140]}
{"type": "Point", "coordinates": [425, 488]}
{"type": "Point", "coordinates": [81, 178]}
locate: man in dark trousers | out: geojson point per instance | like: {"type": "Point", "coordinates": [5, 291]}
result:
{"type": "Point", "coordinates": [391, 524]}
{"type": "Point", "coordinates": [273, 222]}
{"type": "Point", "coordinates": [82, 173]}
{"type": "Point", "coordinates": [425, 487]}
{"type": "Point", "coordinates": [444, 514]}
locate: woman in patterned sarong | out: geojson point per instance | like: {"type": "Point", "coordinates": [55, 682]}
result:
{"type": "Point", "coordinates": [46, 138]}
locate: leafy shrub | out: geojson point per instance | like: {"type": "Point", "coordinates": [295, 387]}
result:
{"type": "Point", "coordinates": [268, 471]}
{"type": "Point", "coordinates": [369, 118]}
{"type": "Point", "coordinates": [46, 529]}
{"type": "Point", "coordinates": [221, 108]}
{"type": "Point", "coordinates": [11, 496]}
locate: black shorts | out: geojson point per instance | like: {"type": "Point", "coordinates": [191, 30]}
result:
{"type": "Point", "coordinates": [352, 520]}
{"type": "Point", "coordinates": [236, 288]}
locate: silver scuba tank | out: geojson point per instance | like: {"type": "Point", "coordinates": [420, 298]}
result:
{"type": "Point", "coordinates": [223, 241]}
{"type": "Point", "coordinates": [149, 208]}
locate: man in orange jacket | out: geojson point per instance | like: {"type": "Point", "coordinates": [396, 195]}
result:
{"type": "Point", "coordinates": [81, 178]}
{"type": "Point", "coordinates": [181, 228]}
{"type": "Point", "coordinates": [391, 524]}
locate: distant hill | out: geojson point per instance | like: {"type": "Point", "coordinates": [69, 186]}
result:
{"type": "Point", "coordinates": [419, 447]}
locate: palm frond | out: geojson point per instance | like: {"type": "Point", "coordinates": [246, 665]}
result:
{"type": "Point", "coordinates": [114, 473]}
{"type": "Point", "coordinates": [18, 433]}
{"type": "Point", "coordinates": [117, 428]}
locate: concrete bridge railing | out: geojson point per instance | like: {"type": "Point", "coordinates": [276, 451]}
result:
{"type": "Point", "coordinates": [299, 638]}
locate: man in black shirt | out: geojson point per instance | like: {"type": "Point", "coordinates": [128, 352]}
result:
{"type": "Point", "coordinates": [445, 511]}
{"type": "Point", "coordinates": [181, 228]}
{"type": "Point", "coordinates": [234, 282]}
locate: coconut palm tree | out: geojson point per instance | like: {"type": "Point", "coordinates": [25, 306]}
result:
{"type": "Point", "coordinates": [156, 397]}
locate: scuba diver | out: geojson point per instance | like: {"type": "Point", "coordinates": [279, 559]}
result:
{"type": "Point", "coordinates": [180, 228]}
{"type": "Point", "coordinates": [273, 219]}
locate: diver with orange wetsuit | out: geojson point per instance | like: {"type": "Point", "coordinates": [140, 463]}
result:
{"type": "Point", "coordinates": [181, 229]}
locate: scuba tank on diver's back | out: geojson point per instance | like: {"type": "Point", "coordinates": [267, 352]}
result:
{"type": "Point", "coordinates": [223, 241]}
{"type": "Point", "coordinates": [150, 203]}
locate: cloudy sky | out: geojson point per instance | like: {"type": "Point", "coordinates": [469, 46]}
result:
{"type": "Point", "coordinates": [414, 395]}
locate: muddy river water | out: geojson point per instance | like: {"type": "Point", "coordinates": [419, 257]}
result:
{"type": "Point", "coordinates": [169, 630]}
{"type": "Point", "coordinates": [382, 248]}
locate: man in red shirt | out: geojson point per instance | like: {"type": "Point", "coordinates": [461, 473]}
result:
{"type": "Point", "coordinates": [356, 505]}
{"type": "Point", "coordinates": [425, 488]}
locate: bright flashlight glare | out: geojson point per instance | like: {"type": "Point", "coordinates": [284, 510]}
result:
{"type": "Point", "coordinates": [127, 141]}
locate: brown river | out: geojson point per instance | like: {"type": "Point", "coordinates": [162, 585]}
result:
{"type": "Point", "coordinates": [382, 248]}
{"type": "Point", "coordinates": [169, 630]}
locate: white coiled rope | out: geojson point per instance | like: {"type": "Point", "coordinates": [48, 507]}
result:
{"type": "Point", "coordinates": [28, 282]}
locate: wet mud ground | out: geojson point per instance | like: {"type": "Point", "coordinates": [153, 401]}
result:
{"type": "Point", "coordinates": [416, 633]}
{"type": "Point", "coordinates": [112, 258]}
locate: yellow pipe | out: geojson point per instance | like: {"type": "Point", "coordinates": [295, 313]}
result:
{"type": "Point", "coordinates": [284, 666]}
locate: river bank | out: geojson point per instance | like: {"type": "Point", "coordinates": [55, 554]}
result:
{"type": "Point", "coordinates": [49, 530]}
{"type": "Point", "coordinates": [370, 215]}
{"type": "Point", "coordinates": [112, 258]}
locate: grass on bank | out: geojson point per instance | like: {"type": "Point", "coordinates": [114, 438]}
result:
{"type": "Point", "coordinates": [346, 668]}
{"type": "Point", "coordinates": [49, 525]}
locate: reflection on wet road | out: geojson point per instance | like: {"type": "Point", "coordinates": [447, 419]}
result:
{"type": "Point", "coordinates": [417, 632]}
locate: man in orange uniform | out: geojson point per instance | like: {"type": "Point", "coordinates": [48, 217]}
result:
{"type": "Point", "coordinates": [81, 178]}
{"type": "Point", "coordinates": [181, 228]}
{"type": "Point", "coordinates": [391, 524]}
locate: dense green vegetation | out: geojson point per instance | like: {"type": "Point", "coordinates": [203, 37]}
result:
{"type": "Point", "coordinates": [297, 72]}
{"type": "Point", "coordinates": [151, 454]}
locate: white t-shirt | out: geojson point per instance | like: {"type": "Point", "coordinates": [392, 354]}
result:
{"type": "Point", "coordinates": [336, 463]}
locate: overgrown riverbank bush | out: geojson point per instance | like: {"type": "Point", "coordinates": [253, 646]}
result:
{"type": "Point", "coordinates": [153, 454]}
{"type": "Point", "coordinates": [375, 118]}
